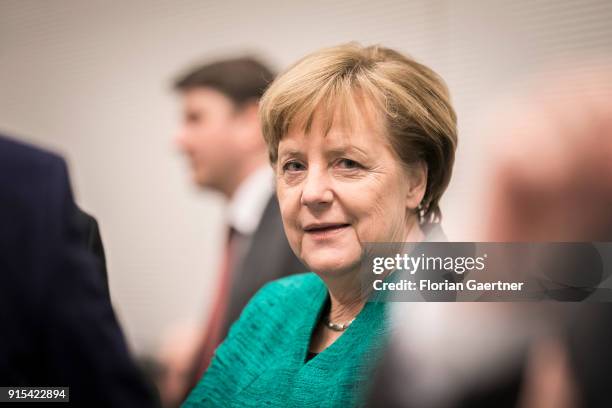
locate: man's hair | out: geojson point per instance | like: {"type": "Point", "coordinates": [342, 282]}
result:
{"type": "Point", "coordinates": [412, 101]}
{"type": "Point", "coordinates": [241, 79]}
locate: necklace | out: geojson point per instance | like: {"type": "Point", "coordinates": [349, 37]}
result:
{"type": "Point", "coordinates": [339, 327]}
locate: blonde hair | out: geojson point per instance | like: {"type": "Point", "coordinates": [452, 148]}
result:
{"type": "Point", "coordinates": [413, 100]}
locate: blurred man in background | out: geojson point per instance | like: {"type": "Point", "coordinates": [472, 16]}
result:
{"type": "Point", "coordinates": [221, 137]}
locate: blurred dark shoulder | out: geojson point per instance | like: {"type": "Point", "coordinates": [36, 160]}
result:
{"type": "Point", "coordinates": [92, 240]}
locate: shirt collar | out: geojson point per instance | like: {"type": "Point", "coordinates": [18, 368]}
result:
{"type": "Point", "coordinates": [250, 199]}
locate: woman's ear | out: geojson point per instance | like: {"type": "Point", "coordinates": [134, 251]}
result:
{"type": "Point", "coordinates": [417, 184]}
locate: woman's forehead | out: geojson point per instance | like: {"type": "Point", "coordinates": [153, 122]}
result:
{"type": "Point", "coordinates": [338, 120]}
{"type": "Point", "coordinates": [338, 138]}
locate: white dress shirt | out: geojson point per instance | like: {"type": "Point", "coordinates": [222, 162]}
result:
{"type": "Point", "coordinates": [250, 200]}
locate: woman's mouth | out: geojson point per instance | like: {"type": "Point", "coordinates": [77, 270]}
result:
{"type": "Point", "coordinates": [324, 230]}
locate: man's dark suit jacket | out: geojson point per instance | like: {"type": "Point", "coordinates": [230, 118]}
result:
{"type": "Point", "coordinates": [58, 326]}
{"type": "Point", "coordinates": [93, 241]}
{"type": "Point", "coordinates": [267, 257]}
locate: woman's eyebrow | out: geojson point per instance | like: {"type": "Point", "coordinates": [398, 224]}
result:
{"type": "Point", "coordinates": [338, 150]}
{"type": "Point", "coordinates": [289, 152]}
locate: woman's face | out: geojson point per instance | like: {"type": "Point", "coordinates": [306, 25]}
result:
{"type": "Point", "coordinates": [340, 190]}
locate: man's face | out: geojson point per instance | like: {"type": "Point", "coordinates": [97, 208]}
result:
{"type": "Point", "coordinates": [207, 135]}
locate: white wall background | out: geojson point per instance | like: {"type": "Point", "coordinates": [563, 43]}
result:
{"type": "Point", "coordinates": [91, 79]}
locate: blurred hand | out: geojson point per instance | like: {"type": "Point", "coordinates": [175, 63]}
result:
{"type": "Point", "coordinates": [176, 356]}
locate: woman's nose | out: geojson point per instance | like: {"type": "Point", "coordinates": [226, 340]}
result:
{"type": "Point", "coordinates": [316, 191]}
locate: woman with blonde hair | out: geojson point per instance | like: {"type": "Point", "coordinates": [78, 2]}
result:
{"type": "Point", "coordinates": [362, 141]}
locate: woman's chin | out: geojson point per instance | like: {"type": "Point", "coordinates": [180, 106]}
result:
{"type": "Point", "coordinates": [331, 262]}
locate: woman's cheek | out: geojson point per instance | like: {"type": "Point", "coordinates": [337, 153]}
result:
{"type": "Point", "coordinates": [378, 221]}
{"type": "Point", "coordinates": [288, 214]}
{"type": "Point", "coordinates": [288, 200]}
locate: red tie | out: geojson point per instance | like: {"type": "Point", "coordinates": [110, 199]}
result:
{"type": "Point", "coordinates": [212, 336]}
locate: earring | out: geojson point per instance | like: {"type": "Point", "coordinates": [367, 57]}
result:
{"type": "Point", "coordinates": [421, 210]}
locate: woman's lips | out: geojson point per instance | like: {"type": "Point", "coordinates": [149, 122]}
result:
{"type": "Point", "coordinates": [323, 231]}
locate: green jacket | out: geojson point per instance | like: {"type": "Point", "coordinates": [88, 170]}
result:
{"type": "Point", "coordinates": [262, 361]}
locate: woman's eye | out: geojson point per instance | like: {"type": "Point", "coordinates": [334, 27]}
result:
{"type": "Point", "coordinates": [293, 166]}
{"type": "Point", "coordinates": [348, 164]}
